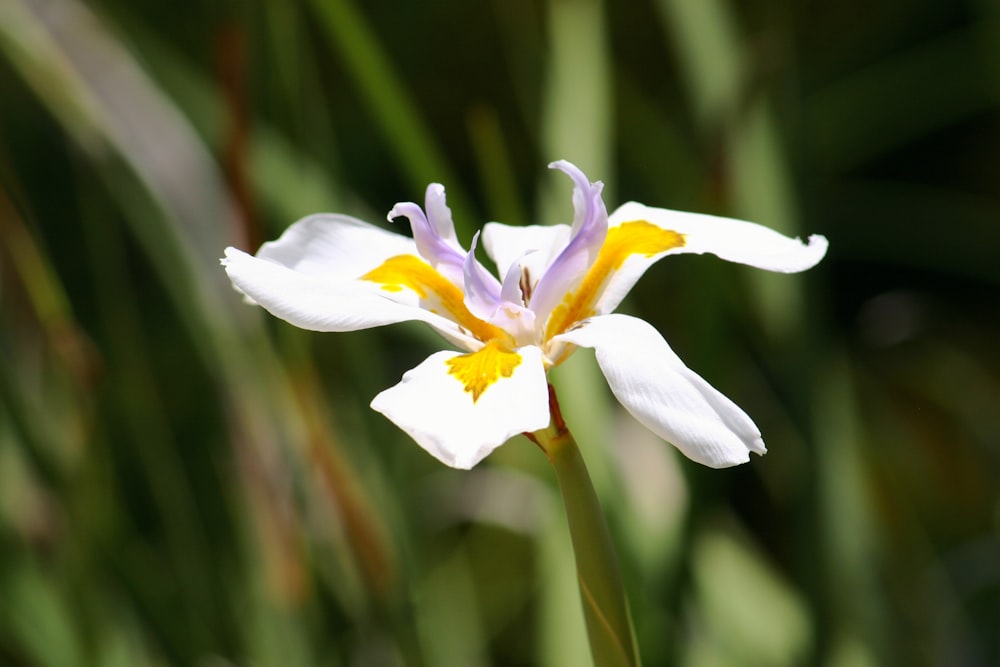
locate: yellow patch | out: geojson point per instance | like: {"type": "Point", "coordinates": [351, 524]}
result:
{"type": "Point", "coordinates": [638, 237]}
{"type": "Point", "coordinates": [438, 293]}
{"type": "Point", "coordinates": [406, 271]}
{"type": "Point", "coordinates": [478, 371]}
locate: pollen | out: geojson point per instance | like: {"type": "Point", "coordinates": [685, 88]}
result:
{"type": "Point", "coordinates": [478, 371]}
{"type": "Point", "coordinates": [638, 237]}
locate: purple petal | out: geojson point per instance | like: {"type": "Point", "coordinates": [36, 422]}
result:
{"type": "Point", "coordinates": [482, 290]}
{"type": "Point", "coordinates": [435, 236]}
{"type": "Point", "coordinates": [590, 227]}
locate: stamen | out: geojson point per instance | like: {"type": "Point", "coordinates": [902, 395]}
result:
{"type": "Point", "coordinates": [526, 286]}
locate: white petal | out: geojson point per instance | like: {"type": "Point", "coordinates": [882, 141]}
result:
{"type": "Point", "coordinates": [732, 240]}
{"type": "Point", "coordinates": [666, 396]}
{"type": "Point", "coordinates": [335, 246]}
{"type": "Point", "coordinates": [439, 215]}
{"type": "Point", "coordinates": [321, 302]}
{"type": "Point", "coordinates": [505, 245]}
{"type": "Point", "coordinates": [435, 408]}
{"type": "Point", "coordinates": [311, 277]}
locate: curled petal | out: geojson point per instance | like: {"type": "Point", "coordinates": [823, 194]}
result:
{"type": "Point", "coordinates": [588, 207]}
{"type": "Point", "coordinates": [590, 226]}
{"type": "Point", "coordinates": [663, 394]}
{"type": "Point", "coordinates": [482, 290]}
{"type": "Point", "coordinates": [434, 232]}
{"type": "Point", "coordinates": [439, 215]}
{"type": "Point", "coordinates": [461, 407]}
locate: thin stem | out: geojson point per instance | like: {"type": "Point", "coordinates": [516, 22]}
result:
{"type": "Point", "coordinates": [609, 625]}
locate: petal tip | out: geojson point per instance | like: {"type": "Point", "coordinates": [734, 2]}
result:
{"type": "Point", "coordinates": [811, 253]}
{"type": "Point", "coordinates": [740, 457]}
{"type": "Point", "coordinates": [820, 243]}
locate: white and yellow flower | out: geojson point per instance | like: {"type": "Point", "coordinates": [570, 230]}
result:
{"type": "Point", "coordinates": [558, 288]}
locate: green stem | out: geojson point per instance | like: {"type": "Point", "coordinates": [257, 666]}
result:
{"type": "Point", "coordinates": [609, 625]}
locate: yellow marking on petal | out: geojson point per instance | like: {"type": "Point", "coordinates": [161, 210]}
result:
{"type": "Point", "coordinates": [439, 293]}
{"type": "Point", "coordinates": [405, 271]}
{"type": "Point", "coordinates": [638, 237]}
{"type": "Point", "coordinates": [478, 371]}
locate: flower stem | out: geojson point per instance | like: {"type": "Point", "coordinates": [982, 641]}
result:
{"type": "Point", "coordinates": [609, 625]}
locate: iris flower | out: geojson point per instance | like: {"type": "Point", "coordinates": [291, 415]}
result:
{"type": "Point", "coordinates": [557, 289]}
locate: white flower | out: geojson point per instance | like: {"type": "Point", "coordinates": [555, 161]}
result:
{"type": "Point", "coordinates": [557, 289]}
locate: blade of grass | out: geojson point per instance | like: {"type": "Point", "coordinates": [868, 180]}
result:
{"type": "Point", "coordinates": [715, 70]}
{"type": "Point", "coordinates": [495, 166]}
{"type": "Point", "coordinates": [179, 214]}
{"type": "Point", "coordinates": [389, 102]}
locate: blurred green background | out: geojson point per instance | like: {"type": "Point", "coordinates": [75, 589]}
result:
{"type": "Point", "coordinates": [186, 481]}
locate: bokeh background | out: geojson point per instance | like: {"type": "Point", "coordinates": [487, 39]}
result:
{"type": "Point", "coordinates": [186, 481]}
